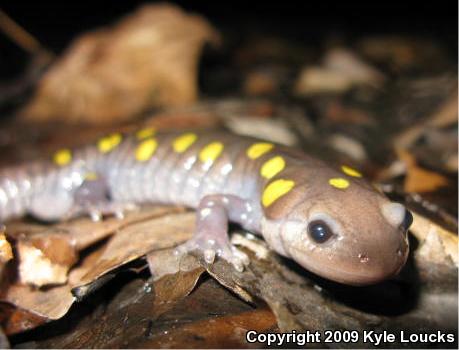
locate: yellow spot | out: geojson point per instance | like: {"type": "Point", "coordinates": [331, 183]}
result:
{"type": "Point", "coordinates": [339, 182]}
{"type": "Point", "coordinates": [108, 143]}
{"type": "Point", "coordinates": [91, 176]}
{"type": "Point", "coordinates": [275, 190]}
{"type": "Point", "coordinates": [272, 167]}
{"type": "Point", "coordinates": [351, 172]}
{"type": "Point", "coordinates": [62, 157]}
{"type": "Point", "coordinates": [258, 149]}
{"type": "Point", "coordinates": [183, 142]}
{"type": "Point", "coordinates": [145, 150]}
{"type": "Point", "coordinates": [145, 133]}
{"type": "Point", "coordinates": [211, 152]}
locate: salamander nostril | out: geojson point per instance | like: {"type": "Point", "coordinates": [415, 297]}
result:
{"type": "Point", "coordinates": [363, 258]}
{"type": "Point", "coordinates": [407, 221]}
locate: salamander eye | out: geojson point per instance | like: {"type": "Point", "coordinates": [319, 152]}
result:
{"type": "Point", "coordinates": [319, 231]}
{"type": "Point", "coordinates": [407, 221]}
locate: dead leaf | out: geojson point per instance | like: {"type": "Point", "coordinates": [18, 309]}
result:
{"type": "Point", "coordinates": [50, 304]}
{"type": "Point", "coordinates": [349, 146]}
{"type": "Point", "coordinates": [437, 245]}
{"type": "Point", "coordinates": [180, 118]}
{"type": "Point", "coordinates": [30, 306]}
{"type": "Point", "coordinates": [139, 239]}
{"type": "Point", "coordinates": [349, 64]}
{"type": "Point", "coordinates": [338, 113]}
{"type": "Point", "coordinates": [276, 130]}
{"type": "Point", "coordinates": [417, 178]}
{"type": "Point", "coordinates": [228, 331]}
{"type": "Point", "coordinates": [46, 253]}
{"type": "Point", "coordinates": [315, 80]}
{"type": "Point", "coordinates": [445, 115]}
{"type": "Point", "coordinates": [341, 70]}
{"type": "Point", "coordinates": [260, 83]}
{"type": "Point", "coordinates": [174, 287]}
{"type": "Point", "coordinates": [144, 314]}
{"type": "Point", "coordinates": [15, 320]}
{"type": "Point", "coordinates": [148, 59]}
{"type": "Point", "coordinates": [402, 52]}
{"type": "Point", "coordinates": [134, 239]}
{"type": "Point", "coordinates": [165, 262]}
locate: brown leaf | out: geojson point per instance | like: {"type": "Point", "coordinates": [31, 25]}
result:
{"type": "Point", "coordinates": [157, 315]}
{"type": "Point", "coordinates": [141, 232]}
{"type": "Point", "coordinates": [417, 178]}
{"type": "Point", "coordinates": [50, 304]}
{"type": "Point", "coordinates": [148, 59]}
{"type": "Point", "coordinates": [183, 118]}
{"type": "Point", "coordinates": [338, 113]}
{"type": "Point", "coordinates": [31, 307]}
{"type": "Point", "coordinates": [403, 52]}
{"type": "Point", "coordinates": [228, 331]}
{"type": "Point", "coordinates": [46, 253]}
{"type": "Point", "coordinates": [174, 287]}
{"type": "Point", "coordinates": [139, 239]}
{"type": "Point", "coordinates": [260, 83]}
{"type": "Point", "coordinates": [15, 320]}
{"type": "Point", "coordinates": [165, 262]}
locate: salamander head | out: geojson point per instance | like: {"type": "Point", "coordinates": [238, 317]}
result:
{"type": "Point", "coordinates": [354, 236]}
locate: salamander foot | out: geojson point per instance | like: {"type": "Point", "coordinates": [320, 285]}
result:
{"type": "Point", "coordinates": [211, 248]}
{"type": "Point", "coordinates": [211, 235]}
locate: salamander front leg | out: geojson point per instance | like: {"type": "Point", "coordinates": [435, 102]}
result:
{"type": "Point", "coordinates": [93, 197]}
{"type": "Point", "coordinates": [211, 234]}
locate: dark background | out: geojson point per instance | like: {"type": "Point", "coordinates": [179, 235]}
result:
{"type": "Point", "coordinates": [54, 24]}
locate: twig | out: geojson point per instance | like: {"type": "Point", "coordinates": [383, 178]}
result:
{"type": "Point", "coordinates": [20, 36]}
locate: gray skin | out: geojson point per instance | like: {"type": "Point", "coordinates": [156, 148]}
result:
{"type": "Point", "coordinates": [368, 241]}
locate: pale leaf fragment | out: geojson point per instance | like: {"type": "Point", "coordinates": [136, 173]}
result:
{"type": "Point", "coordinates": [341, 70]}
{"type": "Point", "coordinates": [437, 245]}
{"type": "Point", "coordinates": [6, 252]}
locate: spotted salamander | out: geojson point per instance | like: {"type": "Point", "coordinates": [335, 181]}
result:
{"type": "Point", "coordinates": [330, 221]}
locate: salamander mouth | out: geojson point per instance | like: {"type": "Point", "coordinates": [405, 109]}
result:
{"type": "Point", "coordinates": [355, 277]}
